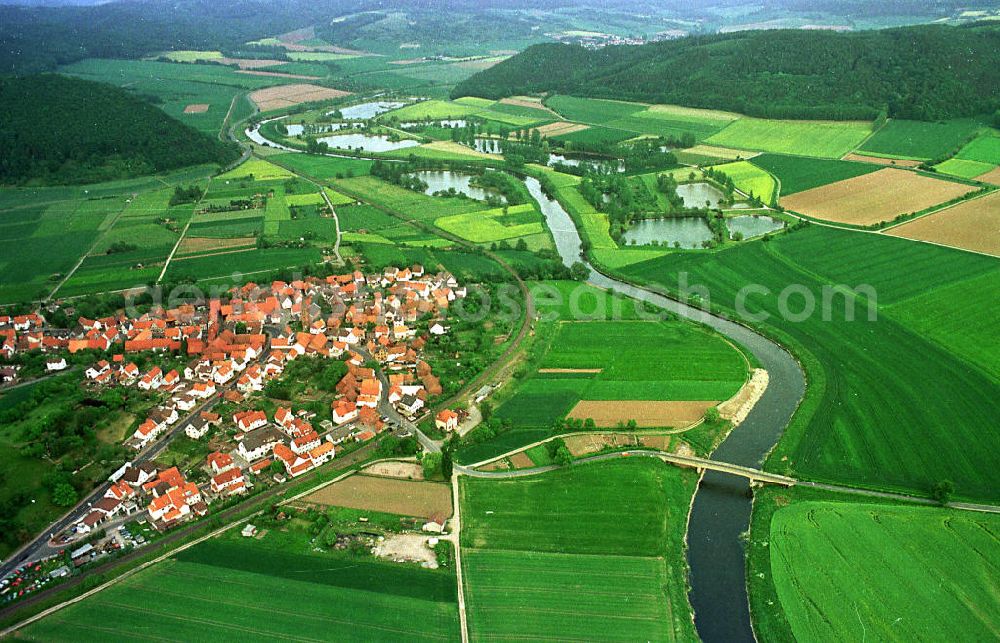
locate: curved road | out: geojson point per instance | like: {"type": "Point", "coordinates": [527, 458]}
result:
{"type": "Point", "coordinates": [722, 504]}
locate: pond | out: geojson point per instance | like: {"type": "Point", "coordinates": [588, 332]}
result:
{"type": "Point", "coordinates": [753, 225]}
{"type": "Point", "coordinates": [696, 194]}
{"type": "Point", "coordinates": [367, 142]}
{"type": "Point", "coordinates": [442, 181]}
{"type": "Point", "coordinates": [368, 110]}
{"type": "Point", "coordinates": [690, 232]}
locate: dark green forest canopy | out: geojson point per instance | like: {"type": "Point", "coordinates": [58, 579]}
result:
{"type": "Point", "coordinates": [58, 129]}
{"type": "Point", "coordinates": [923, 73]}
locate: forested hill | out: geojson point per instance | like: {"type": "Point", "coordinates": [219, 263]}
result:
{"type": "Point", "coordinates": [65, 130]}
{"type": "Point", "coordinates": [925, 73]}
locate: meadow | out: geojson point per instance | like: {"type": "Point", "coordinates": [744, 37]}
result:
{"type": "Point", "coordinates": [595, 567]}
{"type": "Point", "coordinates": [494, 225]}
{"type": "Point", "coordinates": [224, 589]}
{"type": "Point", "coordinates": [798, 173]}
{"type": "Point", "coordinates": [985, 148]}
{"type": "Point", "coordinates": [751, 180]}
{"type": "Point", "coordinates": [963, 168]}
{"type": "Point", "coordinates": [926, 570]}
{"type": "Point", "coordinates": [918, 139]}
{"type": "Point", "coordinates": [830, 139]}
{"type": "Point", "coordinates": [931, 406]}
{"type": "Point", "coordinates": [592, 110]}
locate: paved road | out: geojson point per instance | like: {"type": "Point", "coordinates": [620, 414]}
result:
{"type": "Point", "coordinates": [39, 547]}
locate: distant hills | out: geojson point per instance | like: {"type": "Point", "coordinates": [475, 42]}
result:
{"type": "Point", "coordinates": [58, 129]}
{"type": "Point", "coordinates": [924, 72]}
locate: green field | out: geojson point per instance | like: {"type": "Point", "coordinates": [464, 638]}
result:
{"type": "Point", "coordinates": [431, 110]}
{"type": "Point", "coordinates": [885, 406]}
{"type": "Point", "coordinates": [258, 169]}
{"type": "Point", "coordinates": [885, 572]}
{"type": "Point", "coordinates": [829, 139]}
{"type": "Point", "coordinates": [639, 360]}
{"type": "Point", "coordinates": [751, 180]}
{"type": "Point", "coordinates": [963, 168]}
{"type": "Point", "coordinates": [798, 174]}
{"type": "Point", "coordinates": [213, 592]}
{"type": "Point", "coordinates": [918, 139]}
{"type": "Point", "coordinates": [594, 568]}
{"type": "Point", "coordinates": [46, 231]}
{"type": "Point", "coordinates": [592, 110]}
{"type": "Point", "coordinates": [985, 148]}
{"type": "Point", "coordinates": [494, 225]}
{"type": "Point", "coordinates": [324, 167]}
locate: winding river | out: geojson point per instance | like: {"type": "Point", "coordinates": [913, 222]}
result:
{"type": "Point", "coordinates": [722, 503]}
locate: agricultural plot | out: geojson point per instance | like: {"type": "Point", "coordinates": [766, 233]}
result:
{"type": "Point", "coordinates": [415, 205]}
{"type": "Point", "coordinates": [918, 139]}
{"type": "Point", "coordinates": [829, 139]}
{"type": "Point", "coordinates": [607, 365]}
{"type": "Point", "coordinates": [324, 167]}
{"type": "Point", "coordinates": [970, 225]}
{"type": "Point", "coordinates": [213, 592]}
{"type": "Point", "coordinates": [595, 135]}
{"type": "Point", "coordinates": [494, 225]}
{"type": "Point", "coordinates": [673, 120]}
{"type": "Point", "coordinates": [926, 570]}
{"type": "Point", "coordinates": [290, 95]}
{"type": "Point", "coordinates": [594, 568]}
{"type": "Point", "coordinates": [985, 148]}
{"type": "Point", "coordinates": [751, 180]}
{"type": "Point", "coordinates": [431, 110]}
{"type": "Point", "coordinates": [429, 500]}
{"type": "Point", "coordinates": [875, 198]}
{"type": "Point", "coordinates": [886, 406]}
{"type": "Point", "coordinates": [797, 173]}
{"type": "Point", "coordinates": [963, 168]}
{"type": "Point", "coordinates": [592, 110]}
{"type": "Point", "coordinates": [932, 314]}
{"type": "Point", "coordinates": [256, 169]}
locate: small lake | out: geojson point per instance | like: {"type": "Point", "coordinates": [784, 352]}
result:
{"type": "Point", "coordinates": [618, 165]}
{"type": "Point", "coordinates": [751, 226]}
{"type": "Point", "coordinates": [368, 110]}
{"type": "Point", "coordinates": [696, 194]}
{"type": "Point", "coordinates": [445, 180]}
{"type": "Point", "coordinates": [690, 232]}
{"type": "Point", "coordinates": [367, 142]}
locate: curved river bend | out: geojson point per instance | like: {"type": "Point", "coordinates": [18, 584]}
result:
{"type": "Point", "coordinates": [722, 503]}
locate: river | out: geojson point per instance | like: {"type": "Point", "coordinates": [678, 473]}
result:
{"type": "Point", "coordinates": [722, 503]}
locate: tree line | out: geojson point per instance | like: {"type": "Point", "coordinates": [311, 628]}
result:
{"type": "Point", "coordinates": [928, 72]}
{"type": "Point", "coordinates": [59, 129]}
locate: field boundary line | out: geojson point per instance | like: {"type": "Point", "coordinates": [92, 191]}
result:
{"type": "Point", "coordinates": [180, 239]}
{"type": "Point", "coordinates": [86, 254]}
{"type": "Point", "coordinates": [456, 540]}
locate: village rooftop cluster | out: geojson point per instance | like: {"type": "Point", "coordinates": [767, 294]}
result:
{"type": "Point", "coordinates": [377, 324]}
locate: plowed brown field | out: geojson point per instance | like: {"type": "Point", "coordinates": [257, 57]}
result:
{"type": "Point", "coordinates": [874, 198]}
{"type": "Point", "coordinates": [972, 225]}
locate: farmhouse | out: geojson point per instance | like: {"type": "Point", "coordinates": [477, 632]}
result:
{"type": "Point", "coordinates": [446, 420]}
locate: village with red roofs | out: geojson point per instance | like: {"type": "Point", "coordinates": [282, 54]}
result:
{"type": "Point", "coordinates": [231, 347]}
